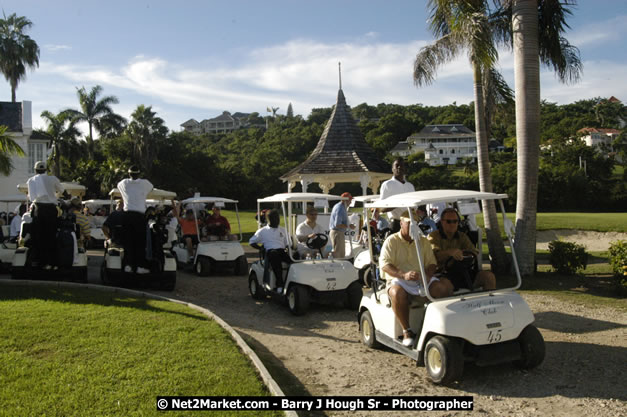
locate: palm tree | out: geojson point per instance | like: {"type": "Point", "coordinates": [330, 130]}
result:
{"type": "Point", "coordinates": [17, 50]}
{"type": "Point", "coordinates": [62, 132]}
{"type": "Point", "coordinates": [469, 25]}
{"type": "Point", "coordinates": [146, 130]}
{"type": "Point", "coordinates": [97, 113]}
{"type": "Point", "coordinates": [537, 28]}
{"type": "Point", "coordinates": [8, 148]}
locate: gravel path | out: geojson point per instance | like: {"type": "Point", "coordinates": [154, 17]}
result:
{"type": "Point", "coordinates": [584, 373]}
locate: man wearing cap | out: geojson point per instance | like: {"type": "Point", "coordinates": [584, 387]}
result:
{"type": "Point", "coordinates": [401, 270]}
{"type": "Point", "coordinates": [396, 185]}
{"type": "Point", "coordinates": [338, 223]}
{"type": "Point", "coordinates": [41, 191]}
{"type": "Point", "coordinates": [134, 191]}
{"type": "Point", "coordinates": [217, 224]}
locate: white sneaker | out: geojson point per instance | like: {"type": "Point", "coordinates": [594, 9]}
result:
{"type": "Point", "coordinates": [409, 337]}
{"type": "Point", "coordinates": [141, 270]}
{"type": "Point", "coordinates": [128, 268]}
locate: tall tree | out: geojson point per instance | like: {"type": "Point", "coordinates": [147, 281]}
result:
{"type": "Point", "coordinates": [61, 130]}
{"type": "Point", "coordinates": [537, 28]}
{"type": "Point", "coordinates": [290, 111]}
{"type": "Point", "coordinates": [96, 112]}
{"type": "Point", "coordinates": [146, 131]}
{"type": "Point", "coordinates": [469, 25]}
{"type": "Point", "coordinates": [17, 50]}
{"type": "Point", "coordinates": [8, 148]}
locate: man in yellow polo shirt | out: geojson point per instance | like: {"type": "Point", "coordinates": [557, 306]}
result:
{"type": "Point", "coordinates": [448, 242]}
{"type": "Point", "coordinates": [401, 269]}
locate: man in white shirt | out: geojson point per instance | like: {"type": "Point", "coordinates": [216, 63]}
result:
{"type": "Point", "coordinates": [308, 229]}
{"type": "Point", "coordinates": [396, 185]}
{"type": "Point", "coordinates": [16, 224]}
{"type": "Point", "coordinates": [41, 191]}
{"type": "Point", "coordinates": [274, 240]}
{"type": "Point", "coordinates": [134, 191]}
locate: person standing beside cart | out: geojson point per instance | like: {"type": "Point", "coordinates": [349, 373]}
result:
{"type": "Point", "coordinates": [41, 191]}
{"type": "Point", "coordinates": [338, 223]}
{"type": "Point", "coordinates": [396, 185]}
{"type": "Point", "coordinates": [134, 191]}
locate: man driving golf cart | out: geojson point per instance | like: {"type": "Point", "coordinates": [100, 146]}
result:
{"type": "Point", "coordinates": [274, 240]}
{"type": "Point", "coordinates": [456, 254]}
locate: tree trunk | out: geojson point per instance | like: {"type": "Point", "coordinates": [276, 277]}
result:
{"type": "Point", "coordinates": [90, 143]}
{"type": "Point", "coordinates": [498, 256]}
{"type": "Point", "coordinates": [13, 88]}
{"type": "Point", "coordinates": [527, 88]}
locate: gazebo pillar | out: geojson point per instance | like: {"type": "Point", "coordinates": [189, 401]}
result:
{"type": "Point", "coordinates": [305, 181]}
{"type": "Point", "coordinates": [326, 186]}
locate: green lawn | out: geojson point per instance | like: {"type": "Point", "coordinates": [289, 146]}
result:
{"type": "Point", "coordinates": [599, 222]}
{"type": "Point", "coordinates": [79, 352]}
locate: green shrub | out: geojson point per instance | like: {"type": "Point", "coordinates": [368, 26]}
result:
{"type": "Point", "coordinates": [618, 261]}
{"type": "Point", "coordinates": [566, 257]}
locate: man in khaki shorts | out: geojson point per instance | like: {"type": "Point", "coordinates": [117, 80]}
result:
{"type": "Point", "coordinates": [401, 269]}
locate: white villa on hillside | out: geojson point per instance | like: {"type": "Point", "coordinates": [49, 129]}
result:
{"type": "Point", "coordinates": [598, 136]}
{"type": "Point", "coordinates": [442, 144]}
{"type": "Point", "coordinates": [224, 123]}
{"type": "Point", "coordinates": [19, 119]}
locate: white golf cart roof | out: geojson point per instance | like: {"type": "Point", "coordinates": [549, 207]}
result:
{"type": "Point", "coordinates": [96, 202]}
{"type": "Point", "coordinates": [207, 200]}
{"type": "Point", "coordinates": [154, 194]}
{"type": "Point", "coordinates": [418, 198]}
{"type": "Point", "coordinates": [299, 197]}
{"type": "Point", "coordinates": [366, 198]}
{"type": "Point", "coordinates": [72, 188]}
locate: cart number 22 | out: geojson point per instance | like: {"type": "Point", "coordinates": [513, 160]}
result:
{"type": "Point", "coordinates": [494, 336]}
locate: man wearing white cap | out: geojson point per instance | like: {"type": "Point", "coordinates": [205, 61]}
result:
{"type": "Point", "coordinates": [401, 269]}
{"type": "Point", "coordinates": [134, 191]}
{"type": "Point", "coordinates": [41, 191]}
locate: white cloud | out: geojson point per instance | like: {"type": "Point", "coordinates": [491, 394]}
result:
{"type": "Point", "coordinates": [596, 33]}
{"type": "Point", "coordinates": [55, 48]}
{"type": "Point", "coordinates": [303, 72]}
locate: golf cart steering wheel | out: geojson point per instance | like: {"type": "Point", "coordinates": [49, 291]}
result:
{"type": "Point", "coordinates": [466, 264]}
{"type": "Point", "coordinates": [317, 242]}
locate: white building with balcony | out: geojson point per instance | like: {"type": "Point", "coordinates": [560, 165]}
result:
{"type": "Point", "coordinates": [442, 144]}
{"type": "Point", "coordinates": [225, 123]}
{"type": "Point", "coordinates": [19, 120]}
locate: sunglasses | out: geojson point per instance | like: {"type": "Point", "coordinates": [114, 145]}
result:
{"type": "Point", "coordinates": [451, 221]}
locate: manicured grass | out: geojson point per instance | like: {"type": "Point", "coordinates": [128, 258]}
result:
{"type": "Point", "coordinates": [599, 222]}
{"type": "Point", "coordinates": [79, 352]}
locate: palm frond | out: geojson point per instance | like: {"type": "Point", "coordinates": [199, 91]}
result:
{"type": "Point", "coordinates": [430, 57]}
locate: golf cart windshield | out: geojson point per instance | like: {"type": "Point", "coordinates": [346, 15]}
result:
{"type": "Point", "coordinates": [413, 200]}
{"type": "Point", "coordinates": [290, 201]}
{"type": "Point", "coordinates": [218, 202]}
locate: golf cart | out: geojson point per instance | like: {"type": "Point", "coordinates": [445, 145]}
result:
{"type": "Point", "coordinates": [162, 266]}
{"type": "Point", "coordinates": [360, 252]}
{"type": "Point", "coordinates": [7, 248]}
{"type": "Point", "coordinates": [309, 280]}
{"type": "Point", "coordinates": [217, 248]}
{"type": "Point", "coordinates": [71, 260]}
{"type": "Point", "coordinates": [485, 327]}
{"type": "Point", "coordinates": [96, 222]}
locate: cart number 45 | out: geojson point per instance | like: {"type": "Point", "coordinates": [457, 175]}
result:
{"type": "Point", "coordinates": [494, 336]}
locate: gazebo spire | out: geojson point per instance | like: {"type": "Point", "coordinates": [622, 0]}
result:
{"type": "Point", "coordinates": [339, 67]}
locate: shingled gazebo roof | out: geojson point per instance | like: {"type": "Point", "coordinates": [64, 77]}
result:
{"type": "Point", "coordinates": [342, 152]}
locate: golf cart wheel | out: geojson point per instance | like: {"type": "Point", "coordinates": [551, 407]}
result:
{"type": "Point", "coordinates": [241, 265]}
{"type": "Point", "coordinates": [254, 288]}
{"type": "Point", "coordinates": [80, 275]}
{"type": "Point", "coordinates": [532, 348]}
{"type": "Point", "coordinates": [203, 266]}
{"type": "Point", "coordinates": [353, 295]}
{"type": "Point", "coordinates": [298, 299]}
{"type": "Point", "coordinates": [169, 281]}
{"type": "Point", "coordinates": [443, 359]}
{"type": "Point", "coordinates": [17, 272]}
{"type": "Point", "coordinates": [367, 330]}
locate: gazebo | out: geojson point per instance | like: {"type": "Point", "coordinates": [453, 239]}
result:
{"type": "Point", "coordinates": [342, 155]}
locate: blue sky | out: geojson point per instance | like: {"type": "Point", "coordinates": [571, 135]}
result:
{"type": "Point", "coordinates": [195, 59]}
